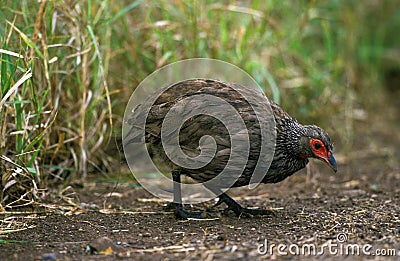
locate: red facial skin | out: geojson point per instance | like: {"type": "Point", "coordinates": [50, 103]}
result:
{"type": "Point", "coordinates": [320, 150]}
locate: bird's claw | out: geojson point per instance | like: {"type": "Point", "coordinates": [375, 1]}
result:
{"type": "Point", "coordinates": [180, 213]}
{"type": "Point", "coordinates": [241, 211]}
{"type": "Point", "coordinates": [184, 214]}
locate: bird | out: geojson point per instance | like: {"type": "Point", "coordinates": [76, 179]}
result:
{"type": "Point", "coordinates": [294, 144]}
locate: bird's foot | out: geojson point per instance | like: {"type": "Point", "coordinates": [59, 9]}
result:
{"type": "Point", "coordinates": [180, 213]}
{"type": "Point", "coordinates": [241, 211]}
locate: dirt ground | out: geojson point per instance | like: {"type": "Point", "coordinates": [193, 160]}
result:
{"type": "Point", "coordinates": [318, 215]}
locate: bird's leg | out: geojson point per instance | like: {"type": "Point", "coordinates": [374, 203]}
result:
{"type": "Point", "coordinates": [179, 211]}
{"type": "Point", "coordinates": [238, 209]}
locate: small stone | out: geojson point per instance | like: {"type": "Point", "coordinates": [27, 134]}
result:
{"type": "Point", "coordinates": [49, 256]}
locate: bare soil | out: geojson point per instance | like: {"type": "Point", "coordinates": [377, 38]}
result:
{"type": "Point", "coordinates": [357, 208]}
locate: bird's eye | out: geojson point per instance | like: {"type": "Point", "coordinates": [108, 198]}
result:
{"type": "Point", "coordinates": [317, 145]}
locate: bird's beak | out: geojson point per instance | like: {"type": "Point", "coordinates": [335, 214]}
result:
{"type": "Point", "coordinates": [331, 161]}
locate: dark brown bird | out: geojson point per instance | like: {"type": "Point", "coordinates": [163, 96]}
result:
{"type": "Point", "coordinates": [294, 142]}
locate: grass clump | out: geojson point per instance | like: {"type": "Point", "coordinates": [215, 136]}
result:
{"type": "Point", "coordinates": [56, 106]}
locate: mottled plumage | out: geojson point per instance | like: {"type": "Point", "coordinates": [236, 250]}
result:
{"type": "Point", "coordinates": [295, 143]}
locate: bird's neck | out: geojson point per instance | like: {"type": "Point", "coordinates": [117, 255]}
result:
{"type": "Point", "coordinates": [291, 137]}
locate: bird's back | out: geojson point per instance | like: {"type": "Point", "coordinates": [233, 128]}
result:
{"type": "Point", "coordinates": [196, 127]}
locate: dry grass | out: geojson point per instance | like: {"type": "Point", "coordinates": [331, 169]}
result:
{"type": "Point", "coordinates": [56, 105]}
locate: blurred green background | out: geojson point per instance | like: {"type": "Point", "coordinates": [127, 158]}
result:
{"type": "Point", "coordinates": [69, 67]}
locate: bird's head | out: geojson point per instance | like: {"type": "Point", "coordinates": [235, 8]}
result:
{"type": "Point", "coordinates": [317, 144]}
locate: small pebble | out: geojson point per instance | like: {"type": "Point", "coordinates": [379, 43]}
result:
{"type": "Point", "coordinates": [49, 256]}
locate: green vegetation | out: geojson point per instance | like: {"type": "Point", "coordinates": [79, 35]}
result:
{"type": "Point", "coordinates": [68, 68]}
